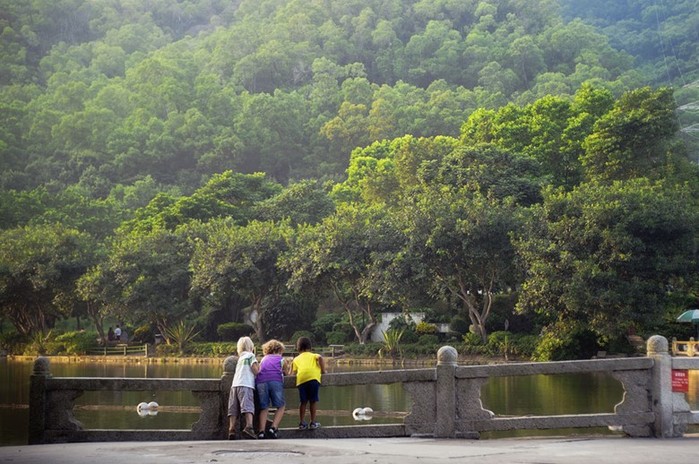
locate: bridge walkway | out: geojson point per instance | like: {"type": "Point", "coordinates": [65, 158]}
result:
{"type": "Point", "coordinates": [568, 450]}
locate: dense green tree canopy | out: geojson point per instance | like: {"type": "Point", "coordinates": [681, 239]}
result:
{"type": "Point", "coordinates": [202, 160]}
{"type": "Point", "coordinates": [243, 260]}
{"type": "Point", "coordinates": [605, 256]}
{"type": "Point", "coordinates": [180, 90]}
{"type": "Point", "coordinates": [38, 274]}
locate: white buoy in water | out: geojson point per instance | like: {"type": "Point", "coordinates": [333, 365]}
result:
{"type": "Point", "coordinates": [147, 409]}
{"type": "Point", "coordinates": [362, 414]}
{"type": "Point", "coordinates": [142, 409]}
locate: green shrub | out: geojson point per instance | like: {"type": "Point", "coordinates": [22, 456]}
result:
{"type": "Point", "coordinates": [391, 344]}
{"type": "Point", "coordinates": [211, 349]}
{"type": "Point", "coordinates": [337, 338]}
{"type": "Point", "coordinates": [408, 328]}
{"type": "Point", "coordinates": [459, 325]}
{"type": "Point", "coordinates": [144, 334]}
{"type": "Point", "coordinates": [369, 349]}
{"type": "Point", "coordinates": [520, 345]}
{"type": "Point", "coordinates": [410, 336]}
{"type": "Point", "coordinates": [401, 323]}
{"type": "Point", "coordinates": [346, 328]}
{"type": "Point", "coordinates": [303, 333]}
{"type": "Point", "coordinates": [232, 331]}
{"type": "Point", "coordinates": [524, 345]}
{"type": "Point", "coordinates": [224, 349]}
{"type": "Point", "coordinates": [620, 344]}
{"type": "Point", "coordinates": [167, 350]}
{"type": "Point", "coordinates": [77, 342]}
{"type": "Point", "coordinates": [428, 340]}
{"type": "Point", "coordinates": [12, 342]}
{"type": "Point", "coordinates": [324, 325]}
{"type": "Point", "coordinates": [560, 343]}
{"type": "Point", "coordinates": [41, 343]}
{"type": "Point", "coordinates": [415, 350]}
{"type": "Point", "coordinates": [472, 344]}
{"type": "Point", "coordinates": [471, 339]}
{"type": "Point", "coordinates": [499, 343]}
{"type": "Point", "coordinates": [425, 328]}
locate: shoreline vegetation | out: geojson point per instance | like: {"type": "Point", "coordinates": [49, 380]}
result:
{"type": "Point", "coordinates": [331, 362]}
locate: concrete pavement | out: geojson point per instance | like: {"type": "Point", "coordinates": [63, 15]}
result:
{"type": "Point", "coordinates": [571, 450]}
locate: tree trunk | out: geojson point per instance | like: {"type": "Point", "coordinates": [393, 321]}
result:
{"type": "Point", "coordinates": [476, 321]}
{"type": "Point", "coordinates": [366, 332]}
{"type": "Point", "coordinates": [94, 315]}
{"type": "Point", "coordinates": [254, 311]}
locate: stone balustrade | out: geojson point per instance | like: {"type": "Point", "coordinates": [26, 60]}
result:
{"type": "Point", "coordinates": [445, 400]}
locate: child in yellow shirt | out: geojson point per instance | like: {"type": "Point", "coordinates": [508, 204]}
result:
{"type": "Point", "coordinates": [308, 367]}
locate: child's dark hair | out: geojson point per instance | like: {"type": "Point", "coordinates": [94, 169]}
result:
{"type": "Point", "coordinates": [303, 344]}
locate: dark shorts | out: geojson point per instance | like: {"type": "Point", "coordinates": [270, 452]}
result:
{"type": "Point", "coordinates": [309, 391]}
{"type": "Point", "coordinates": [270, 393]}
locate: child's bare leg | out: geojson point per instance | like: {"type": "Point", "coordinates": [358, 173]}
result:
{"type": "Point", "coordinates": [278, 417]}
{"type": "Point", "coordinates": [302, 412]}
{"type": "Point", "coordinates": [314, 408]}
{"type": "Point", "coordinates": [248, 420]}
{"type": "Point", "coordinates": [231, 425]}
{"type": "Point", "coordinates": [263, 419]}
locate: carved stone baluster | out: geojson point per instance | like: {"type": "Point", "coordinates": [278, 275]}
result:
{"type": "Point", "coordinates": [59, 410]}
{"type": "Point", "coordinates": [636, 399]}
{"type": "Point", "coordinates": [423, 413]}
{"type": "Point", "coordinates": [208, 426]}
{"type": "Point", "coordinates": [469, 406]}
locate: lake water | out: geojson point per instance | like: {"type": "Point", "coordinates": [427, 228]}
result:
{"type": "Point", "coordinates": [521, 395]}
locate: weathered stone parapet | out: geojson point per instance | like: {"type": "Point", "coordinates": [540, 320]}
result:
{"type": "Point", "coordinates": [446, 400]}
{"type": "Point", "coordinates": [554, 367]}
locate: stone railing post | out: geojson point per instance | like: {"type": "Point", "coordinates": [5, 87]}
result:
{"type": "Point", "coordinates": [37, 400]}
{"type": "Point", "coordinates": [661, 386]}
{"type": "Point", "coordinates": [226, 381]}
{"type": "Point", "coordinates": [445, 392]}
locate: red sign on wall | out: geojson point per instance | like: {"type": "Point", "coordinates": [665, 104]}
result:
{"type": "Point", "coordinates": [680, 380]}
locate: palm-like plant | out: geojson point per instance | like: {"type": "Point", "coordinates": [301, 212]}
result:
{"type": "Point", "coordinates": [391, 344]}
{"type": "Point", "coordinates": [40, 340]}
{"type": "Point", "coordinates": [181, 334]}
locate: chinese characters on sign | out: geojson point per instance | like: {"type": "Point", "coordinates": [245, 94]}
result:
{"type": "Point", "coordinates": [680, 380]}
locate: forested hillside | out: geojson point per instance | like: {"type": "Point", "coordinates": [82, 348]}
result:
{"type": "Point", "coordinates": [662, 36]}
{"type": "Point", "coordinates": [523, 162]}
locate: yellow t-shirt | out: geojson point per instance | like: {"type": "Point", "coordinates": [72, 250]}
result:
{"type": "Point", "coordinates": [306, 367]}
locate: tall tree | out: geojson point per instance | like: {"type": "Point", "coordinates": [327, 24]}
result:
{"type": "Point", "coordinates": [39, 267]}
{"type": "Point", "coordinates": [346, 254]}
{"type": "Point", "coordinates": [604, 256]}
{"type": "Point", "coordinates": [462, 246]}
{"type": "Point", "coordinates": [242, 260]}
{"type": "Point", "coordinates": [149, 269]}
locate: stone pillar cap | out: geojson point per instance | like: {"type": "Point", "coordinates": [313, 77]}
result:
{"type": "Point", "coordinates": [657, 344]}
{"type": "Point", "coordinates": [447, 355]}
